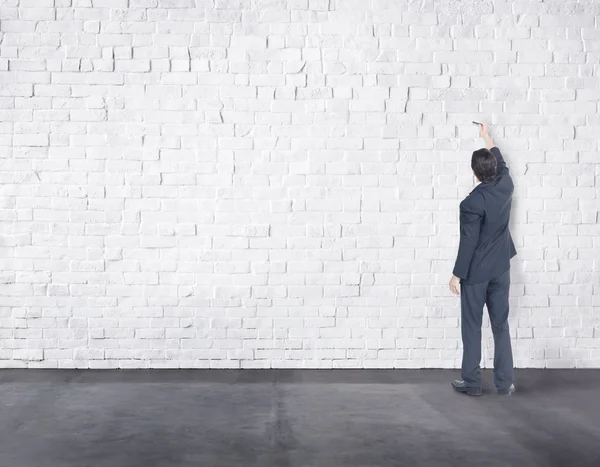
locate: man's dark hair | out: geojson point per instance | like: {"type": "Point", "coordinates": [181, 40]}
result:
{"type": "Point", "coordinates": [484, 165]}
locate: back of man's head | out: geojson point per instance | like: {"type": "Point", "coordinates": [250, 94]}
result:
{"type": "Point", "coordinates": [483, 163]}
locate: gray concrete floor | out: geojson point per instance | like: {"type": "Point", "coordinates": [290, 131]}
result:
{"type": "Point", "coordinates": [304, 418]}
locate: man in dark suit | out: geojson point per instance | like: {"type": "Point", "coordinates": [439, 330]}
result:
{"type": "Point", "coordinates": [482, 269]}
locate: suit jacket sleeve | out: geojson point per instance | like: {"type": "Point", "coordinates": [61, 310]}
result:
{"type": "Point", "coordinates": [471, 215]}
{"type": "Point", "coordinates": [501, 168]}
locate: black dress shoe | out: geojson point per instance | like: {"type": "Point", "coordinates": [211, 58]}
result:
{"type": "Point", "coordinates": [459, 386]}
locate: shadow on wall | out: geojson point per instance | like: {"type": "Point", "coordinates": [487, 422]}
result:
{"type": "Point", "coordinates": [517, 273]}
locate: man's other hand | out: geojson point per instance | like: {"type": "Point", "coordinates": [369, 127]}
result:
{"type": "Point", "coordinates": [455, 285]}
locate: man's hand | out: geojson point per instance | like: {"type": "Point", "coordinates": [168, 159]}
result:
{"type": "Point", "coordinates": [455, 285]}
{"type": "Point", "coordinates": [484, 132]}
{"type": "Point", "coordinates": [483, 129]}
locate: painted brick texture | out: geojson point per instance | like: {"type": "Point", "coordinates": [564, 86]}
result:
{"type": "Point", "coordinates": [275, 183]}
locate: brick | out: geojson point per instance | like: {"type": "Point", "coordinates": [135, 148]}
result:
{"type": "Point", "coordinates": [246, 187]}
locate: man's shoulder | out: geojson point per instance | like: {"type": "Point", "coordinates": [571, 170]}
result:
{"type": "Point", "coordinates": [473, 201]}
{"type": "Point", "coordinates": [475, 196]}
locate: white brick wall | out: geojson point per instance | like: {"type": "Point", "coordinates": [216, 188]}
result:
{"type": "Point", "coordinates": [275, 183]}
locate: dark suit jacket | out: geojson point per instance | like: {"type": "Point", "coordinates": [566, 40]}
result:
{"type": "Point", "coordinates": [486, 246]}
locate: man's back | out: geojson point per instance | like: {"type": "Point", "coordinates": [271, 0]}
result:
{"type": "Point", "coordinates": [486, 246]}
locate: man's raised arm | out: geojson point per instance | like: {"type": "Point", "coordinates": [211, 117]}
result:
{"type": "Point", "coordinates": [501, 168]}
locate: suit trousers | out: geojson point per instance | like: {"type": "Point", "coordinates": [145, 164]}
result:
{"type": "Point", "coordinates": [493, 294]}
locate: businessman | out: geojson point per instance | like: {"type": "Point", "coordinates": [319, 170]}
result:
{"type": "Point", "coordinates": [481, 274]}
